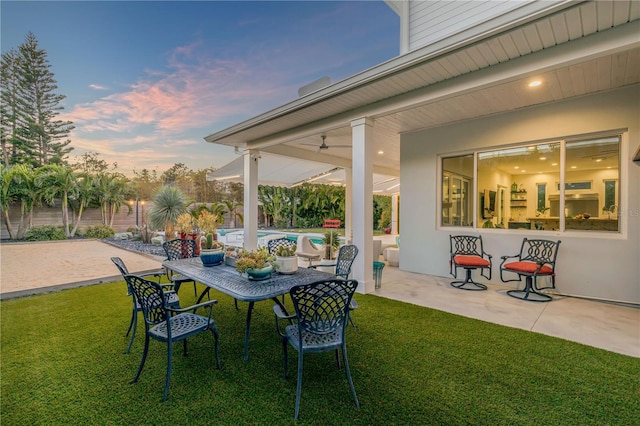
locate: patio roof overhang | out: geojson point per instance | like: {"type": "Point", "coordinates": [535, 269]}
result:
{"type": "Point", "coordinates": [577, 51]}
{"type": "Point", "coordinates": [279, 170]}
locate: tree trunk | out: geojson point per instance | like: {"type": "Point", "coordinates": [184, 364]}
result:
{"type": "Point", "coordinates": [65, 215]}
{"type": "Point", "coordinates": [77, 224]}
{"type": "Point", "coordinates": [23, 227]}
{"type": "Point", "coordinates": [8, 224]}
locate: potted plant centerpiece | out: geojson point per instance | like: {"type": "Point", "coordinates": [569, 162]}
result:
{"type": "Point", "coordinates": [256, 263]}
{"type": "Point", "coordinates": [230, 255]}
{"type": "Point", "coordinates": [286, 260]}
{"type": "Point", "coordinates": [211, 251]}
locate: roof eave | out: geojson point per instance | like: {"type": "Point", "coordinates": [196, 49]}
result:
{"type": "Point", "coordinates": [378, 72]}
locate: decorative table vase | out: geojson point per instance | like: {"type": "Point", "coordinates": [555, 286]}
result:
{"type": "Point", "coordinates": [260, 274]}
{"type": "Point", "coordinates": [211, 257]}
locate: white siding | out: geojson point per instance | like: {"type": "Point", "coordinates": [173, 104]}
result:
{"type": "Point", "coordinates": [435, 21]}
{"type": "Point", "coordinates": [589, 265]}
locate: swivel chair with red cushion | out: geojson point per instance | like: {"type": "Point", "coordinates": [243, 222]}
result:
{"type": "Point", "coordinates": [466, 252]}
{"type": "Point", "coordinates": [537, 258]}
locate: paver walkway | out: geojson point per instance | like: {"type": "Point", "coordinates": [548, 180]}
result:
{"type": "Point", "coordinates": [30, 268]}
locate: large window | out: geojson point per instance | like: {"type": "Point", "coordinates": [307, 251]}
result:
{"type": "Point", "coordinates": [527, 187]}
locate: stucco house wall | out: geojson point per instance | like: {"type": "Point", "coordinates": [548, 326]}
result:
{"type": "Point", "coordinates": [590, 264]}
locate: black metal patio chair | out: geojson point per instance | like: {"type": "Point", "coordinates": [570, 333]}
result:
{"type": "Point", "coordinates": [537, 258]}
{"type": "Point", "coordinates": [346, 256]}
{"type": "Point", "coordinates": [180, 249]}
{"type": "Point", "coordinates": [467, 252]}
{"type": "Point", "coordinates": [167, 324]}
{"type": "Point", "coordinates": [321, 312]}
{"type": "Point", "coordinates": [171, 296]}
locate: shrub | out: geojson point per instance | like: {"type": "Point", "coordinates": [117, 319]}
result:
{"type": "Point", "coordinates": [46, 233]}
{"type": "Point", "coordinates": [99, 231]}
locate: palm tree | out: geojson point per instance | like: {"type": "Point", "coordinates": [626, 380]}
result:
{"type": "Point", "coordinates": [232, 206]}
{"type": "Point", "coordinates": [168, 203]}
{"type": "Point", "coordinates": [57, 181]}
{"type": "Point", "coordinates": [84, 196]}
{"type": "Point", "coordinates": [17, 184]}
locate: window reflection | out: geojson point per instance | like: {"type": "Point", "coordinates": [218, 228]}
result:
{"type": "Point", "coordinates": [527, 172]}
{"type": "Point", "coordinates": [594, 164]}
{"type": "Point", "coordinates": [457, 182]}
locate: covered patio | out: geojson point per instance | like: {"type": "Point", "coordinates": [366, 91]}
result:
{"type": "Point", "coordinates": [471, 81]}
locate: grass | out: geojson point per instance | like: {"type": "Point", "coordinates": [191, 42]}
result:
{"type": "Point", "coordinates": [62, 362]}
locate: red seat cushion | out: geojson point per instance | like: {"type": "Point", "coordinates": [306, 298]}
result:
{"type": "Point", "coordinates": [528, 267]}
{"type": "Point", "coordinates": [476, 261]}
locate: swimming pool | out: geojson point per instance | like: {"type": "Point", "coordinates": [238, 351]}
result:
{"type": "Point", "coordinates": [235, 237]}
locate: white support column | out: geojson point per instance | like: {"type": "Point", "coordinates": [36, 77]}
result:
{"type": "Point", "coordinates": [251, 199]}
{"type": "Point", "coordinates": [348, 205]}
{"type": "Point", "coordinates": [394, 213]}
{"type": "Point", "coordinates": [362, 204]}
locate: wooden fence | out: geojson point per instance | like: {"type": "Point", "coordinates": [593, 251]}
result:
{"type": "Point", "coordinates": [47, 215]}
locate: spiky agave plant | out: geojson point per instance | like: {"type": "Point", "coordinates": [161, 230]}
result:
{"type": "Point", "coordinates": [168, 204]}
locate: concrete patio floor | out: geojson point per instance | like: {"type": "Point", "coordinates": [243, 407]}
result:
{"type": "Point", "coordinates": [32, 268]}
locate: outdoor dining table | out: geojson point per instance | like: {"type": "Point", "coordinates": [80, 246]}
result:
{"type": "Point", "coordinates": [228, 281]}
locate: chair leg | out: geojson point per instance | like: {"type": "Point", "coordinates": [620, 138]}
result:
{"type": "Point", "coordinates": [349, 379]}
{"type": "Point", "coordinates": [529, 293]}
{"type": "Point", "coordinates": [144, 358]}
{"type": "Point", "coordinates": [299, 386]}
{"type": "Point", "coordinates": [132, 328]}
{"type": "Point", "coordinates": [133, 320]}
{"type": "Point", "coordinates": [351, 318]}
{"type": "Point", "coordinates": [168, 379]}
{"type": "Point", "coordinates": [214, 331]}
{"type": "Point", "coordinates": [474, 286]}
{"type": "Point", "coordinates": [286, 355]}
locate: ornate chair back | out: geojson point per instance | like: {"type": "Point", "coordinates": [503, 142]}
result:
{"type": "Point", "coordinates": [179, 249]}
{"type": "Point", "coordinates": [346, 255]}
{"type": "Point", "coordinates": [274, 245]}
{"type": "Point", "coordinates": [466, 245]}
{"type": "Point", "coordinates": [539, 251]}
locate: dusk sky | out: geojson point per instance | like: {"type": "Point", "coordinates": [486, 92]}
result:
{"type": "Point", "coordinates": [146, 81]}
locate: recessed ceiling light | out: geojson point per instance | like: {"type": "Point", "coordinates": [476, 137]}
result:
{"type": "Point", "coordinates": [523, 171]}
{"type": "Point", "coordinates": [554, 164]}
{"type": "Point", "coordinates": [516, 167]}
{"type": "Point", "coordinates": [380, 152]}
{"type": "Point", "coordinates": [574, 167]}
{"type": "Point", "coordinates": [535, 83]}
{"type": "Point", "coordinates": [543, 158]}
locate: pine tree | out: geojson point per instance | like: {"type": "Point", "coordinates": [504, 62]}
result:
{"type": "Point", "coordinates": [42, 140]}
{"type": "Point", "coordinates": [11, 114]}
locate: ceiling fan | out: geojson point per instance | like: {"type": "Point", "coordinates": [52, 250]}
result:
{"type": "Point", "coordinates": [324, 146]}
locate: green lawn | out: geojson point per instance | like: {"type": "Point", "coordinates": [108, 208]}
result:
{"type": "Point", "coordinates": [62, 362]}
